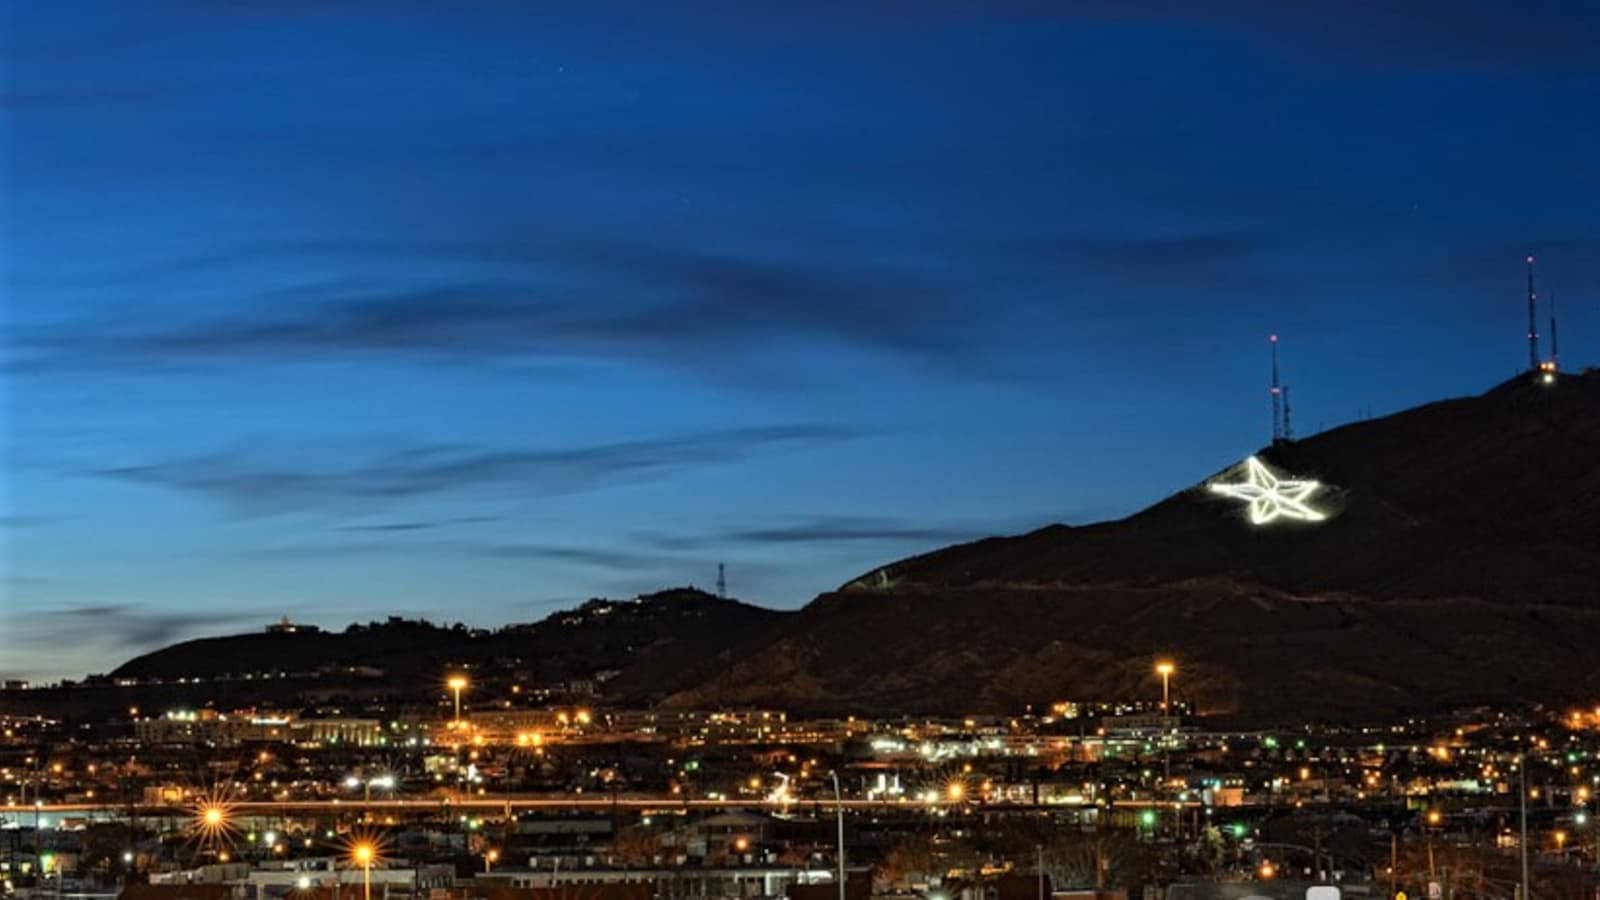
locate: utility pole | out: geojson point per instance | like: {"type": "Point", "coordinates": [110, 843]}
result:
{"type": "Point", "coordinates": [1522, 762]}
{"type": "Point", "coordinates": [838, 809]}
{"type": "Point", "coordinates": [1533, 325]}
{"type": "Point", "coordinates": [1276, 392]}
{"type": "Point", "coordinates": [1394, 862]}
{"type": "Point", "coordinates": [1596, 819]}
{"type": "Point", "coordinates": [1040, 848]}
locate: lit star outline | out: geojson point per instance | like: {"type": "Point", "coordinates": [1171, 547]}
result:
{"type": "Point", "coordinates": [1270, 497]}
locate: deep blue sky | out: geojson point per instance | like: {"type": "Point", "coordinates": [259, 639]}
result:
{"type": "Point", "coordinates": [345, 309]}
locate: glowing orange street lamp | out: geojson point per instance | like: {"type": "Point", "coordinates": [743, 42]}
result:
{"type": "Point", "coordinates": [363, 853]}
{"type": "Point", "coordinates": [490, 858]}
{"type": "Point", "coordinates": [457, 683]}
{"type": "Point", "coordinates": [1165, 668]}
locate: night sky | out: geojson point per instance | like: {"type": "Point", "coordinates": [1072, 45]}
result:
{"type": "Point", "coordinates": [339, 310]}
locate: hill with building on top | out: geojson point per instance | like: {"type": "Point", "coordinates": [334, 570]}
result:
{"type": "Point", "coordinates": [1458, 564]}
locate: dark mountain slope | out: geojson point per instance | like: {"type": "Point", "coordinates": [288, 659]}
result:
{"type": "Point", "coordinates": [598, 636]}
{"type": "Point", "coordinates": [1496, 496]}
{"type": "Point", "coordinates": [1459, 563]}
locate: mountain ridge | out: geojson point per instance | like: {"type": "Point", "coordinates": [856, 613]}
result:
{"type": "Point", "coordinates": [1455, 567]}
{"type": "Point", "coordinates": [597, 635]}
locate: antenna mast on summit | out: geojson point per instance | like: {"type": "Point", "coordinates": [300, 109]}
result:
{"type": "Point", "coordinates": [1288, 430]}
{"type": "Point", "coordinates": [1533, 323]}
{"type": "Point", "coordinates": [1277, 393]}
{"type": "Point", "coordinates": [722, 581]}
{"type": "Point", "coordinates": [1555, 349]}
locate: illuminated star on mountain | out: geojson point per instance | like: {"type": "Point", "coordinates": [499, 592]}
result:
{"type": "Point", "coordinates": [1271, 497]}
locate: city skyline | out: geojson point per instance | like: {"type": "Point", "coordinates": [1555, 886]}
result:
{"type": "Point", "coordinates": [338, 314]}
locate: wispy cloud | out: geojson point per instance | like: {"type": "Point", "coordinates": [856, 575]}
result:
{"type": "Point", "coordinates": [420, 525]}
{"type": "Point", "coordinates": [1412, 33]}
{"type": "Point", "coordinates": [844, 530]}
{"type": "Point", "coordinates": [132, 625]}
{"type": "Point", "coordinates": [683, 308]}
{"type": "Point", "coordinates": [615, 560]}
{"type": "Point", "coordinates": [719, 315]}
{"type": "Point", "coordinates": [249, 483]}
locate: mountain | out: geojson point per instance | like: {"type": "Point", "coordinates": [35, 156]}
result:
{"type": "Point", "coordinates": [601, 636]}
{"type": "Point", "coordinates": [1458, 563]}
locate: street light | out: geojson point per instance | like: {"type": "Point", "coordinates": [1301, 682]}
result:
{"type": "Point", "coordinates": [457, 683]}
{"type": "Point", "coordinates": [363, 854]}
{"type": "Point", "coordinates": [1522, 805]}
{"type": "Point", "coordinates": [1165, 668]}
{"type": "Point", "coordinates": [382, 782]}
{"type": "Point", "coordinates": [838, 809]}
{"type": "Point", "coordinates": [490, 858]}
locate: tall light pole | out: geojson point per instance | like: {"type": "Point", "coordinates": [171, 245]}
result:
{"type": "Point", "coordinates": [1522, 776]}
{"type": "Point", "coordinates": [1595, 821]}
{"type": "Point", "coordinates": [1040, 848]}
{"type": "Point", "coordinates": [457, 683]}
{"type": "Point", "coordinates": [1165, 668]}
{"type": "Point", "coordinates": [363, 854]}
{"type": "Point", "coordinates": [838, 809]}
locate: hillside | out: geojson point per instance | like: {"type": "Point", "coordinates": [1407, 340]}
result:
{"type": "Point", "coordinates": [599, 636]}
{"type": "Point", "coordinates": [1458, 563]}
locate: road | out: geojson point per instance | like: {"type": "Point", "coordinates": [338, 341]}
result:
{"type": "Point", "coordinates": [568, 802]}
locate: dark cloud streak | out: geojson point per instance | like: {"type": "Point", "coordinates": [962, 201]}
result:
{"type": "Point", "coordinates": [688, 309]}
{"type": "Point", "coordinates": [249, 484]}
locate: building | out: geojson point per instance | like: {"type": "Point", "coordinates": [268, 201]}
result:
{"type": "Point", "coordinates": [752, 881]}
{"type": "Point", "coordinates": [284, 626]}
{"type": "Point", "coordinates": [211, 728]}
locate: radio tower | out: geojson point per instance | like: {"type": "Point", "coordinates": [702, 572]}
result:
{"type": "Point", "coordinates": [1277, 394]}
{"type": "Point", "coordinates": [1533, 323]}
{"type": "Point", "coordinates": [722, 581]}
{"type": "Point", "coordinates": [1288, 430]}
{"type": "Point", "coordinates": [1555, 349]}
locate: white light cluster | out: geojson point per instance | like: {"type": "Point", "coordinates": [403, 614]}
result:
{"type": "Point", "coordinates": [1270, 497]}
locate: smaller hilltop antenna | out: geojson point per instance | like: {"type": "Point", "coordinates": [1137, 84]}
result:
{"type": "Point", "coordinates": [1277, 393]}
{"type": "Point", "coordinates": [722, 581]}
{"type": "Point", "coordinates": [1555, 349]}
{"type": "Point", "coordinates": [1533, 323]}
{"type": "Point", "coordinates": [1288, 430]}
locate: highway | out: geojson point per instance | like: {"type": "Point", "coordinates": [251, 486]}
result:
{"type": "Point", "coordinates": [542, 802]}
